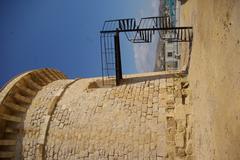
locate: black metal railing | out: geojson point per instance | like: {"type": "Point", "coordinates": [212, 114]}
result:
{"type": "Point", "coordinates": [141, 32]}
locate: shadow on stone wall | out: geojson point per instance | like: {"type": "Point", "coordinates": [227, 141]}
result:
{"type": "Point", "coordinates": [143, 78]}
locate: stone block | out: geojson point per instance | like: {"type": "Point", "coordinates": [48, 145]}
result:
{"type": "Point", "coordinates": [171, 122]}
{"type": "Point", "coordinates": [161, 149]}
{"type": "Point", "coordinates": [189, 157]}
{"type": "Point", "coordinates": [180, 139]}
{"type": "Point", "coordinates": [179, 158]}
{"type": "Point", "coordinates": [188, 109]}
{"type": "Point", "coordinates": [155, 99]}
{"type": "Point", "coordinates": [149, 111]}
{"type": "Point", "coordinates": [179, 112]}
{"type": "Point", "coordinates": [170, 102]}
{"type": "Point", "coordinates": [180, 152]}
{"type": "Point", "coordinates": [160, 158]}
{"type": "Point", "coordinates": [181, 126]}
{"type": "Point", "coordinates": [171, 152]}
{"type": "Point", "coordinates": [170, 134]}
{"type": "Point", "coordinates": [188, 149]}
{"type": "Point", "coordinates": [169, 114]}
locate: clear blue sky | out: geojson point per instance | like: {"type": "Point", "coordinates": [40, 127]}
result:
{"type": "Point", "coordinates": [63, 34]}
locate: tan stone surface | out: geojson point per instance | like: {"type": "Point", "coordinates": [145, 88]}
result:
{"type": "Point", "coordinates": [214, 77]}
{"type": "Point", "coordinates": [81, 119]}
{"type": "Point", "coordinates": [123, 122]}
{"type": "Point", "coordinates": [36, 121]}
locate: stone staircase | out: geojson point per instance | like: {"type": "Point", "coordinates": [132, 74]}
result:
{"type": "Point", "coordinates": [15, 99]}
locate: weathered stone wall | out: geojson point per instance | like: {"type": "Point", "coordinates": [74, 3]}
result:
{"type": "Point", "coordinates": [135, 120]}
{"type": "Point", "coordinates": [214, 77]}
{"type": "Point", "coordinates": [146, 117]}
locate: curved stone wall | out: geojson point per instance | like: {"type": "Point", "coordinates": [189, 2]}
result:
{"type": "Point", "coordinates": [146, 117]}
{"type": "Point", "coordinates": [15, 99]}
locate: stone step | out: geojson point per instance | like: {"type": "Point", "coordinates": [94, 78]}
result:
{"type": "Point", "coordinates": [7, 142]}
{"type": "Point", "coordinates": [44, 77]}
{"type": "Point", "coordinates": [49, 75]}
{"type": "Point", "coordinates": [23, 99]}
{"type": "Point", "coordinates": [38, 79]}
{"type": "Point", "coordinates": [59, 75]}
{"type": "Point", "coordinates": [32, 84]}
{"type": "Point", "coordinates": [26, 90]}
{"type": "Point", "coordinates": [10, 117]}
{"type": "Point", "coordinates": [15, 107]}
{"type": "Point", "coordinates": [7, 154]}
{"type": "Point", "coordinates": [53, 74]}
{"type": "Point", "coordinates": [10, 130]}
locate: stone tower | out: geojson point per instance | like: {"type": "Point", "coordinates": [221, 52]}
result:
{"type": "Point", "coordinates": [44, 115]}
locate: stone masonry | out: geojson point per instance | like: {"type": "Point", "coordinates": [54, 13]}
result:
{"type": "Point", "coordinates": [146, 117]}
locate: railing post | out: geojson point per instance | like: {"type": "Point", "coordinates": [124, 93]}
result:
{"type": "Point", "coordinates": [118, 64]}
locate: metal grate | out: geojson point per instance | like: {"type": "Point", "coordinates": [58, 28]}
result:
{"type": "Point", "coordinates": [141, 32]}
{"type": "Point", "coordinates": [107, 56]}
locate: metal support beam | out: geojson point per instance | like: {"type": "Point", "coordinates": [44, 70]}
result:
{"type": "Point", "coordinates": [147, 29]}
{"type": "Point", "coordinates": [118, 63]}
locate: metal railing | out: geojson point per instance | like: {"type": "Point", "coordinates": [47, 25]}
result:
{"type": "Point", "coordinates": [141, 32]}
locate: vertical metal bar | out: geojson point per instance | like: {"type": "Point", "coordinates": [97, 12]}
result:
{"type": "Point", "coordinates": [105, 51]}
{"type": "Point", "coordinates": [128, 24]}
{"type": "Point", "coordinates": [155, 22]}
{"type": "Point", "coordinates": [161, 22]}
{"type": "Point", "coordinates": [181, 35]}
{"type": "Point", "coordinates": [144, 35]}
{"type": "Point", "coordinates": [120, 25]}
{"type": "Point", "coordinates": [178, 34]}
{"type": "Point", "coordinates": [185, 35]}
{"type": "Point", "coordinates": [109, 51]}
{"type": "Point", "coordinates": [150, 37]}
{"type": "Point", "coordinates": [147, 36]}
{"type": "Point", "coordinates": [169, 22]}
{"type": "Point", "coordinates": [117, 58]}
{"type": "Point", "coordinates": [135, 25]}
{"type": "Point", "coordinates": [166, 22]}
{"type": "Point", "coordinates": [102, 59]}
{"type": "Point", "coordinates": [124, 25]}
{"type": "Point", "coordinates": [112, 50]}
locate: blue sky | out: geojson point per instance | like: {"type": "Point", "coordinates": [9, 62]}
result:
{"type": "Point", "coordinates": [64, 34]}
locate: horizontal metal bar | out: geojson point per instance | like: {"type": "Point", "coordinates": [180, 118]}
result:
{"type": "Point", "coordinates": [155, 17]}
{"type": "Point", "coordinates": [145, 29]}
{"type": "Point", "coordinates": [181, 41]}
{"type": "Point", "coordinates": [141, 42]}
{"type": "Point", "coordinates": [113, 20]}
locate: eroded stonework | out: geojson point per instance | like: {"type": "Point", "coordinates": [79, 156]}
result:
{"type": "Point", "coordinates": [146, 117]}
